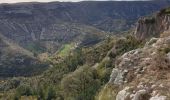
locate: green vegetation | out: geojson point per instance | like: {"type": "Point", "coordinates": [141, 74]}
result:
{"type": "Point", "coordinates": [107, 93]}
{"type": "Point", "coordinates": [96, 53]}
{"type": "Point", "coordinates": [150, 20]}
{"type": "Point", "coordinates": [78, 76]}
{"type": "Point", "coordinates": [22, 90]}
{"type": "Point", "coordinates": [91, 39]}
{"type": "Point", "coordinates": [36, 48]}
{"type": "Point", "coordinates": [125, 44]}
{"type": "Point", "coordinates": [43, 93]}
{"type": "Point", "coordinates": [65, 50]}
{"type": "Point", "coordinates": [104, 69]}
{"type": "Point", "coordinates": [21, 65]}
{"type": "Point", "coordinates": [164, 50]}
{"type": "Point", "coordinates": [82, 83]}
{"type": "Point", "coordinates": [165, 11]}
{"type": "Point", "coordinates": [51, 94]}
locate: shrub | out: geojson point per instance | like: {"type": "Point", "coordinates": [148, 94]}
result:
{"type": "Point", "coordinates": [104, 70]}
{"type": "Point", "coordinates": [164, 50]}
{"type": "Point", "coordinates": [108, 92]}
{"type": "Point", "coordinates": [150, 20]}
{"type": "Point", "coordinates": [51, 94]}
{"type": "Point", "coordinates": [123, 45]}
{"type": "Point", "coordinates": [23, 90]}
{"type": "Point", "coordinates": [80, 85]}
{"type": "Point", "coordinates": [164, 11]}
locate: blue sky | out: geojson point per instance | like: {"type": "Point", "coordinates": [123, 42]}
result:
{"type": "Point", "coordinates": [14, 1]}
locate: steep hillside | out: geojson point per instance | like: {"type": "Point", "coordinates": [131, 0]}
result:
{"type": "Point", "coordinates": [80, 75]}
{"type": "Point", "coordinates": [143, 73]}
{"type": "Point", "coordinates": [16, 61]}
{"type": "Point", "coordinates": [47, 35]}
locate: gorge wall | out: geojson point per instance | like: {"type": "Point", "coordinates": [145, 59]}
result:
{"type": "Point", "coordinates": [156, 25]}
{"type": "Point", "coordinates": [143, 73]}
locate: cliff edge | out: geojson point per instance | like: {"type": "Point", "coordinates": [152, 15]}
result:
{"type": "Point", "coordinates": [156, 25]}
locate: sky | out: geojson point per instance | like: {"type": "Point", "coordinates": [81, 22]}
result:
{"type": "Point", "coordinates": [15, 1]}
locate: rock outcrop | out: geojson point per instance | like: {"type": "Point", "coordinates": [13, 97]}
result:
{"type": "Point", "coordinates": [156, 25]}
{"type": "Point", "coordinates": [145, 71]}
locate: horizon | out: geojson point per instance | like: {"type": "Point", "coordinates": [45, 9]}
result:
{"type": "Point", "coordinates": [22, 1]}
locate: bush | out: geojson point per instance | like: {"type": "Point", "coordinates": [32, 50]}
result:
{"type": "Point", "coordinates": [104, 70]}
{"type": "Point", "coordinates": [23, 90]}
{"type": "Point", "coordinates": [41, 93]}
{"type": "Point", "coordinates": [107, 93]}
{"type": "Point", "coordinates": [80, 85]}
{"type": "Point", "coordinates": [164, 11]}
{"type": "Point", "coordinates": [150, 20]}
{"type": "Point", "coordinates": [123, 45]}
{"type": "Point", "coordinates": [164, 50]}
{"type": "Point", "coordinates": [51, 94]}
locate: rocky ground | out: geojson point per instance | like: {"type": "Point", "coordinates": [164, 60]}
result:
{"type": "Point", "coordinates": [143, 74]}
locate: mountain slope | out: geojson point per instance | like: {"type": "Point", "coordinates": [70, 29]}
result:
{"type": "Point", "coordinates": [49, 25]}
{"type": "Point", "coordinates": [16, 61]}
{"type": "Point", "coordinates": [80, 75]}
{"type": "Point", "coordinates": [141, 74]}
{"type": "Point", "coordinates": [43, 29]}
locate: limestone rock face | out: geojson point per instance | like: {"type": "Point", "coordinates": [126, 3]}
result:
{"type": "Point", "coordinates": [117, 77]}
{"type": "Point", "coordinates": [123, 94]}
{"type": "Point", "coordinates": [158, 98]}
{"type": "Point", "coordinates": [138, 94]}
{"type": "Point", "coordinates": [145, 71]}
{"type": "Point", "coordinates": [157, 25]}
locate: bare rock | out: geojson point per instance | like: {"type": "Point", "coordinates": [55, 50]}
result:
{"type": "Point", "coordinates": [158, 98]}
{"type": "Point", "coordinates": [138, 95]}
{"type": "Point", "coordinates": [116, 77]}
{"type": "Point", "coordinates": [123, 94]}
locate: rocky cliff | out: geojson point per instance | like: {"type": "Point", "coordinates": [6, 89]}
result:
{"type": "Point", "coordinates": [143, 73]}
{"type": "Point", "coordinates": [156, 25]}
